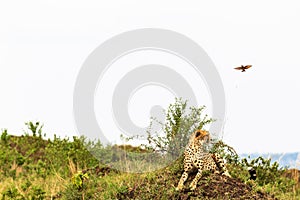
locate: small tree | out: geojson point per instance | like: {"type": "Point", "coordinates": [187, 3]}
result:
{"type": "Point", "coordinates": [4, 136]}
{"type": "Point", "coordinates": [180, 122]}
{"type": "Point", "coordinates": [35, 128]}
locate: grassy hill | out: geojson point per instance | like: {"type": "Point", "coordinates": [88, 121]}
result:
{"type": "Point", "coordinates": [34, 168]}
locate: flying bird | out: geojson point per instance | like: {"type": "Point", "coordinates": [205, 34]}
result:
{"type": "Point", "coordinates": [243, 68]}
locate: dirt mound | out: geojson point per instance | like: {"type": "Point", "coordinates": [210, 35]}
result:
{"type": "Point", "coordinates": [216, 186]}
{"type": "Point", "coordinates": [162, 184]}
{"type": "Point", "coordinates": [213, 186]}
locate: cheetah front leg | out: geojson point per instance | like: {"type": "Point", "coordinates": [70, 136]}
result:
{"type": "Point", "coordinates": [193, 184]}
{"type": "Point", "coordinates": [220, 164]}
{"type": "Point", "coordinates": [182, 180]}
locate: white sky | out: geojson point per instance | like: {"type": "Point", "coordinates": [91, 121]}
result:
{"type": "Point", "coordinates": [44, 43]}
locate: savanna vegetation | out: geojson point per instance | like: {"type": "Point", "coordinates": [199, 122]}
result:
{"type": "Point", "coordinates": [35, 168]}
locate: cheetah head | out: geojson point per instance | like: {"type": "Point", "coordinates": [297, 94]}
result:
{"type": "Point", "coordinates": [200, 137]}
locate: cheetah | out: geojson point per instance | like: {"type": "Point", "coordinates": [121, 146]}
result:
{"type": "Point", "coordinates": [195, 157]}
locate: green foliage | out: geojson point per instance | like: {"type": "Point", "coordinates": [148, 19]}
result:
{"type": "Point", "coordinates": [37, 193]}
{"type": "Point", "coordinates": [35, 128]}
{"type": "Point", "coordinates": [11, 193]}
{"type": "Point", "coordinates": [25, 185]}
{"type": "Point", "coordinates": [270, 177]}
{"type": "Point", "coordinates": [78, 179]}
{"type": "Point", "coordinates": [226, 151]}
{"type": "Point", "coordinates": [4, 136]}
{"type": "Point", "coordinates": [20, 160]}
{"type": "Point", "coordinates": [31, 161]}
{"type": "Point", "coordinates": [81, 186]}
{"type": "Point", "coordinates": [267, 172]}
{"type": "Point", "coordinates": [180, 122]}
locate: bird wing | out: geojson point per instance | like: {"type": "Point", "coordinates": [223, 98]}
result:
{"type": "Point", "coordinates": [248, 66]}
{"type": "Point", "coordinates": [239, 68]}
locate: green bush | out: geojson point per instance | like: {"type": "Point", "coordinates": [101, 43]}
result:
{"type": "Point", "coordinates": [12, 194]}
{"type": "Point", "coordinates": [4, 136]}
{"type": "Point", "coordinates": [37, 193]}
{"type": "Point", "coordinates": [270, 177]}
{"type": "Point", "coordinates": [35, 128]}
{"type": "Point", "coordinates": [179, 124]}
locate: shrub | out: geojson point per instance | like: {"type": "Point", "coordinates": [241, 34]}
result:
{"type": "Point", "coordinates": [4, 136]}
{"type": "Point", "coordinates": [180, 122]}
{"type": "Point", "coordinates": [35, 128]}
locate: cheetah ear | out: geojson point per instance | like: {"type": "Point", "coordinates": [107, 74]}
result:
{"type": "Point", "coordinates": [198, 133]}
